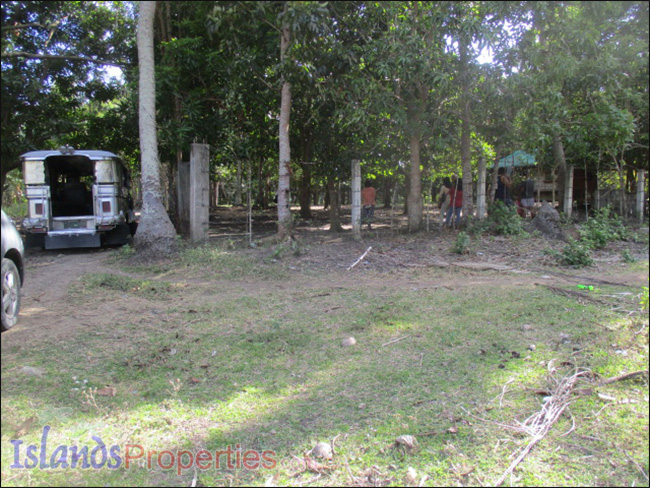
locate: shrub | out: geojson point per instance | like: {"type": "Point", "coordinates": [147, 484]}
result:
{"type": "Point", "coordinates": [602, 228]}
{"type": "Point", "coordinates": [505, 220]}
{"type": "Point", "coordinates": [577, 254]}
{"type": "Point", "coordinates": [461, 246]}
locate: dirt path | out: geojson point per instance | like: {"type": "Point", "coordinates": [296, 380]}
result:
{"type": "Point", "coordinates": [396, 261]}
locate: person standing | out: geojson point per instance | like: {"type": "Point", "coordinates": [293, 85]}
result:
{"type": "Point", "coordinates": [455, 201]}
{"type": "Point", "coordinates": [368, 195]}
{"type": "Point", "coordinates": [503, 193]}
{"type": "Point", "coordinates": [443, 199]}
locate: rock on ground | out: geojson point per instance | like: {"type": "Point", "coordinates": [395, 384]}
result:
{"type": "Point", "coordinates": [547, 222]}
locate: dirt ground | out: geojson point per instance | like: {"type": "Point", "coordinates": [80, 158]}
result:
{"type": "Point", "coordinates": [395, 255]}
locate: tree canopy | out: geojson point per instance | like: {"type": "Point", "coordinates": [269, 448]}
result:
{"type": "Point", "coordinates": [397, 85]}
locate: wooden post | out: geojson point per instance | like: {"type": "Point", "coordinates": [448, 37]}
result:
{"type": "Point", "coordinates": [640, 194]}
{"type": "Point", "coordinates": [480, 192]}
{"type": "Point", "coordinates": [199, 192]}
{"type": "Point", "coordinates": [568, 191]}
{"type": "Point", "coordinates": [356, 199]}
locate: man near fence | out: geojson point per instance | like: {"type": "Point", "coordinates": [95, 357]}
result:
{"type": "Point", "coordinates": [368, 195]}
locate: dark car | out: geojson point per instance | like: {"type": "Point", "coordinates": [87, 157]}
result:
{"type": "Point", "coordinates": [12, 272]}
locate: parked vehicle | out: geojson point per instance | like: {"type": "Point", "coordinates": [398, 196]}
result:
{"type": "Point", "coordinates": [13, 272]}
{"type": "Point", "coordinates": [77, 199]}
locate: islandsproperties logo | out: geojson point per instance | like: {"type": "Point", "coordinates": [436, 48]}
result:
{"type": "Point", "coordinates": [98, 455]}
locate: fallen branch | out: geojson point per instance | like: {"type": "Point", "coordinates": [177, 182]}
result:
{"type": "Point", "coordinates": [572, 294]}
{"type": "Point", "coordinates": [359, 260]}
{"type": "Point", "coordinates": [540, 423]}
{"type": "Point", "coordinates": [622, 377]}
{"type": "Point", "coordinates": [396, 340]}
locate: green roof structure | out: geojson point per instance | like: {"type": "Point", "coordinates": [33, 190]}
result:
{"type": "Point", "coordinates": [518, 159]}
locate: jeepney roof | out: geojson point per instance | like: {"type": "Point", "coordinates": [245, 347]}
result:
{"type": "Point", "coordinates": [91, 154]}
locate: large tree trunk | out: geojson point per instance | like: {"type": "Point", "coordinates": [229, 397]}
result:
{"type": "Point", "coordinates": [465, 141]}
{"type": "Point", "coordinates": [389, 185]}
{"type": "Point", "coordinates": [495, 176]}
{"type": "Point", "coordinates": [414, 199]}
{"type": "Point", "coordinates": [284, 183]}
{"type": "Point", "coordinates": [560, 162]}
{"type": "Point", "coordinates": [156, 235]}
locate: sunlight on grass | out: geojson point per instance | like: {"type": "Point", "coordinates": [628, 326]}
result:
{"type": "Point", "coordinates": [265, 369]}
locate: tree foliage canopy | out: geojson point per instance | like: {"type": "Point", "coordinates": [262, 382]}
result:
{"type": "Point", "coordinates": [368, 79]}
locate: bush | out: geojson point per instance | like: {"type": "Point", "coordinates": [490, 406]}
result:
{"type": "Point", "coordinates": [577, 254]}
{"type": "Point", "coordinates": [602, 228]}
{"type": "Point", "coordinates": [461, 246]}
{"type": "Point", "coordinates": [505, 220]}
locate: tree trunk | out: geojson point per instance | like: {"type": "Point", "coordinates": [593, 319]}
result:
{"type": "Point", "coordinates": [261, 200]}
{"type": "Point", "coordinates": [495, 176]}
{"type": "Point", "coordinates": [465, 141]}
{"type": "Point", "coordinates": [334, 205]}
{"type": "Point", "coordinates": [389, 184]}
{"type": "Point", "coordinates": [238, 178]}
{"type": "Point", "coordinates": [284, 183]}
{"type": "Point", "coordinates": [560, 162]}
{"type": "Point", "coordinates": [414, 199]}
{"type": "Point", "coordinates": [622, 202]}
{"type": "Point", "coordinates": [156, 235]}
{"type": "Point", "coordinates": [305, 192]}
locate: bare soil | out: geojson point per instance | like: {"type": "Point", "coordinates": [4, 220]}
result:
{"type": "Point", "coordinates": [396, 259]}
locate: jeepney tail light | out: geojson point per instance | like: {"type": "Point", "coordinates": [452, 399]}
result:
{"type": "Point", "coordinates": [106, 207]}
{"type": "Point", "coordinates": [38, 209]}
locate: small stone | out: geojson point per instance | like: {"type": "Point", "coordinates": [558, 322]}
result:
{"type": "Point", "coordinates": [348, 341]}
{"type": "Point", "coordinates": [526, 327]}
{"type": "Point", "coordinates": [322, 450]}
{"type": "Point", "coordinates": [411, 476]}
{"type": "Point", "coordinates": [406, 442]}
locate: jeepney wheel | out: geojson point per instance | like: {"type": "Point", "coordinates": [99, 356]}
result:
{"type": "Point", "coordinates": [10, 294]}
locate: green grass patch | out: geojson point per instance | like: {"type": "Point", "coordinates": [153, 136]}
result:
{"type": "Point", "coordinates": [265, 369]}
{"type": "Point", "coordinates": [110, 284]}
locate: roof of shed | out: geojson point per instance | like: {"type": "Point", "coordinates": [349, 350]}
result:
{"type": "Point", "coordinates": [518, 159]}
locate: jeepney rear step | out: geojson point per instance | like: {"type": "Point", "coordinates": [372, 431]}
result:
{"type": "Point", "coordinates": [67, 239]}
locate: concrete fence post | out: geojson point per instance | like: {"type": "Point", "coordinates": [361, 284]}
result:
{"type": "Point", "coordinates": [356, 199]}
{"type": "Point", "coordinates": [199, 192]}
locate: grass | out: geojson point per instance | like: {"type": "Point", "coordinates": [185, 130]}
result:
{"type": "Point", "coordinates": [263, 368]}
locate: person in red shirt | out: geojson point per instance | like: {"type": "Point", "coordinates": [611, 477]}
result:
{"type": "Point", "coordinates": [368, 195]}
{"type": "Point", "coordinates": [455, 201]}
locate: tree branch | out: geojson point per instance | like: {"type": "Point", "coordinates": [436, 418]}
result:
{"type": "Point", "coordinates": [21, 54]}
{"type": "Point", "coordinates": [21, 26]}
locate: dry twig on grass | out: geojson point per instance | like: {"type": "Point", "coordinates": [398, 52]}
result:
{"type": "Point", "coordinates": [395, 340]}
{"type": "Point", "coordinates": [540, 423]}
{"type": "Point", "coordinates": [360, 259]}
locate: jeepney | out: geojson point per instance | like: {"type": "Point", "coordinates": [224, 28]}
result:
{"type": "Point", "coordinates": [76, 198]}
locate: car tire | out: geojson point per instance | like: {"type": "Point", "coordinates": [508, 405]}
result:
{"type": "Point", "coordinates": [10, 294]}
